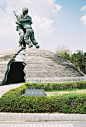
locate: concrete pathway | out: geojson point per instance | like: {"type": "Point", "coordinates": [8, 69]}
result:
{"type": "Point", "coordinates": [5, 88]}
{"type": "Point", "coordinates": [44, 124]}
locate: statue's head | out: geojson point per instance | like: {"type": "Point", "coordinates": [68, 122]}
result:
{"type": "Point", "coordinates": [25, 10]}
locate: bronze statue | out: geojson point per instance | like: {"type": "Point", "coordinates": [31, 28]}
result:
{"type": "Point", "coordinates": [24, 28]}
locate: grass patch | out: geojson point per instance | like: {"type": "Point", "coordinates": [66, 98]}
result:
{"type": "Point", "coordinates": [75, 89]}
{"type": "Point", "coordinates": [55, 93]}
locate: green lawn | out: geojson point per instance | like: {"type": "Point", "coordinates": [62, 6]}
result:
{"type": "Point", "coordinates": [56, 92]}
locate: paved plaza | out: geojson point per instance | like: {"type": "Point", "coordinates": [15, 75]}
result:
{"type": "Point", "coordinates": [44, 124]}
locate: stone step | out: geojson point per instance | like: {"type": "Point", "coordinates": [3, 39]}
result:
{"type": "Point", "coordinates": [55, 79]}
{"type": "Point", "coordinates": [48, 74]}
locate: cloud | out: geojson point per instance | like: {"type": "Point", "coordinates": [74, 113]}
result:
{"type": "Point", "coordinates": [83, 8]}
{"type": "Point", "coordinates": [42, 7]}
{"type": "Point", "coordinates": [43, 25]}
{"type": "Point", "coordinates": [7, 26]}
{"type": "Point", "coordinates": [83, 19]}
{"type": "Point", "coordinates": [57, 8]}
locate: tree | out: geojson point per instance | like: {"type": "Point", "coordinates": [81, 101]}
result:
{"type": "Point", "coordinates": [78, 59]}
{"type": "Point", "coordinates": [64, 52]}
{"type": "Point", "coordinates": [84, 63]}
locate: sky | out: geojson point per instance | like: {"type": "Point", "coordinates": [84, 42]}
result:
{"type": "Point", "coordinates": [56, 23]}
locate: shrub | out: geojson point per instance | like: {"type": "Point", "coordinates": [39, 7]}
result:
{"type": "Point", "coordinates": [57, 86]}
{"type": "Point", "coordinates": [13, 101]}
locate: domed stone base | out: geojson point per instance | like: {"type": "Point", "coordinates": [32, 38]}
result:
{"type": "Point", "coordinates": [44, 66]}
{"type": "Point", "coordinates": [41, 66]}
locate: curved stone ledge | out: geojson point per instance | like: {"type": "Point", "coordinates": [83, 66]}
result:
{"type": "Point", "coordinates": [56, 80]}
{"type": "Point", "coordinates": [29, 117]}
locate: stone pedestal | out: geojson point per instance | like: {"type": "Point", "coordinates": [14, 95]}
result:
{"type": "Point", "coordinates": [45, 66]}
{"type": "Point", "coordinates": [41, 66]}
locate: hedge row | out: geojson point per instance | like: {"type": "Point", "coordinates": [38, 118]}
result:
{"type": "Point", "coordinates": [13, 101]}
{"type": "Point", "coordinates": [57, 86]}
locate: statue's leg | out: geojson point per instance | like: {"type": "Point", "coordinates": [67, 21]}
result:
{"type": "Point", "coordinates": [32, 38]}
{"type": "Point", "coordinates": [26, 38]}
{"type": "Point", "coordinates": [24, 44]}
{"type": "Point", "coordinates": [21, 37]}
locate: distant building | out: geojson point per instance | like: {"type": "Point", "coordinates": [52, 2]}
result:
{"type": "Point", "coordinates": [79, 51]}
{"type": "Point", "coordinates": [69, 52]}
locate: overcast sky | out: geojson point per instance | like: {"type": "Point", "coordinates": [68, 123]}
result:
{"type": "Point", "coordinates": [55, 22]}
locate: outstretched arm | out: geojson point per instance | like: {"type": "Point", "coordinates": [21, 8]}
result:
{"type": "Point", "coordinates": [23, 20]}
{"type": "Point", "coordinates": [27, 19]}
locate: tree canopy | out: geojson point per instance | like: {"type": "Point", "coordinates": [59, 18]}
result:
{"type": "Point", "coordinates": [78, 59]}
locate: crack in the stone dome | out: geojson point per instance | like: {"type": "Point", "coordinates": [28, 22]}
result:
{"type": "Point", "coordinates": [17, 58]}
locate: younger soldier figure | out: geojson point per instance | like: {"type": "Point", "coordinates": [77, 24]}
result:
{"type": "Point", "coordinates": [25, 30]}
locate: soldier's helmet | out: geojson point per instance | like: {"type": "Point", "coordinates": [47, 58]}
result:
{"type": "Point", "coordinates": [25, 10]}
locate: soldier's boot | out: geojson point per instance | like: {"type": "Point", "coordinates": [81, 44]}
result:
{"type": "Point", "coordinates": [37, 46]}
{"type": "Point", "coordinates": [35, 43]}
{"type": "Point", "coordinates": [30, 45]}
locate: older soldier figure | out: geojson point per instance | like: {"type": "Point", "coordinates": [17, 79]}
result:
{"type": "Point", "coordinates": [26, 33]}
